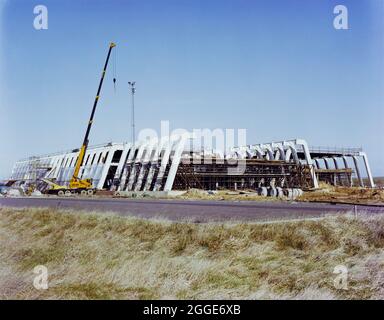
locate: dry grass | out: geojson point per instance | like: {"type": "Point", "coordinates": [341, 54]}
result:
{"type": "Point", "coordinates": [327, 192]}
{"type": "Point", "coordinates": [94, 256]}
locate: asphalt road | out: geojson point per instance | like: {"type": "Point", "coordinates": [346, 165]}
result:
{"type": "Point", "coordinates": [193, 210]}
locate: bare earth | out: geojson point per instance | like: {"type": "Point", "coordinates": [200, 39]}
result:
{"type": "Point", "coordinates": [345, 195]}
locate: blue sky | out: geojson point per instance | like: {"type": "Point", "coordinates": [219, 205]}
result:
{"type": "Point", "coordinates": [276, 67]}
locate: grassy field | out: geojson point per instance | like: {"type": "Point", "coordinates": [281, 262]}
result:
{"type": "Point", "coordinates": [95, 256]}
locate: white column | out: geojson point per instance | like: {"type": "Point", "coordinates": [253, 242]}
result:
{"type": "Point", "coordinates": [347, 167]}
{"type": "Point", "coordinates": [145, 160]}
{"type": "Point", "coordinates": [368, 169]}
{"type": "Point", "coordinates": [335, 175]}
{"type": "Point", "coordinates": [106, 166]}
{"type": "Point", "coordinates": [121, 166]}
{"type": "Point", "coordinates": [163, 165]}
{"type": "Point", "coordinates": [335, 162]}
{"type": "Point", "coordinates": [126, 173]}
{"type": "Point", "coordinates": [326, 163]}
{"type": "Point", "coordinates": [355, 161]}
{"type": "Point", "coordinates": [155, 161]}
{"type": "Point", "coordinates": [138, 159]}
{"type": "Point", "coordinates": [308, 159]}
{"type": "Point", "coordinates": [179, 147]}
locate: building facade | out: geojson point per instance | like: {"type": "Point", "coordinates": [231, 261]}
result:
{"type": "Point", "coordinates": [167, 163]}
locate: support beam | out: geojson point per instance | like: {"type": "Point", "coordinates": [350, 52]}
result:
{"type": "Point", "coordinates": [368, 169]}
{"type": "Point", "coordinates": [350, 180]}
{"type": "Point", "coordinates": [355, 161]}
{"type": "Point", "coordinates": [335, 175]}
{"type": "Point", "coordinates": [146, 158]}
{"type": "Point", "coordinates": [120, 168]}
{"type": "Point", "coordinates": [126, 173]}
{"type": "Point", "coordinates": [309, 160]}
{"type": "Point", "coordinates": [164, 162]}
{"type": "Point", "coordinates": [335, 162]}
{"type": "Point", "coordinates": [175, 162]}
{"type": "Point", "coordinates": [135, 162]}
{"type": "Point", "coordinates": [155, 160]}
{"type": "Point", "coordinates": [326, 163]}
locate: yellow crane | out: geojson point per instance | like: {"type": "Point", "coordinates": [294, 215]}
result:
{"type": "Point", "coordinates": [76, 184]}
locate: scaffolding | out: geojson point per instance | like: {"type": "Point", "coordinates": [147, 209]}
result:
{"type": "Point", "coordinates": [244, 174]}
{"type": "Point", "coordinates": [336, 177]}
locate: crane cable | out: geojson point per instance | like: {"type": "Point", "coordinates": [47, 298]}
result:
{"type": "Point", "coordinates": [114, 71]}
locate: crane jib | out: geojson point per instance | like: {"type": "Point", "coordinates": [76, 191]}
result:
{"type": "Point", "coordinates": [83, 149]}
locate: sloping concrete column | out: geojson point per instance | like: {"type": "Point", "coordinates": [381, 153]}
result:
{"type": "Point", "coordinates": [309, 160]}
{"type": "Point", "coordinates": [335, 175]}
{"type": "Point", "coordinates": [361, 182]}
{"type": "Point", "coordinates": [368, 169]}
{"type": "Point", "coordinates": [350, 180]}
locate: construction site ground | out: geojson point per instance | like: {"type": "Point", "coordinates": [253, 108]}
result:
{"type": "Point", "coordinates": [328, 193]}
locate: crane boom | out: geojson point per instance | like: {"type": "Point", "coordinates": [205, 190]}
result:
{"type": "Point", "coordinates": [76, 182]}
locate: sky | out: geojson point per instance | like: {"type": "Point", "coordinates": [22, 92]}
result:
{"type": "Point", "coordinates": [277, 68]}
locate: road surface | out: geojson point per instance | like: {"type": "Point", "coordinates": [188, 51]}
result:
{"type": "Point", "coordinates": [194, 210]}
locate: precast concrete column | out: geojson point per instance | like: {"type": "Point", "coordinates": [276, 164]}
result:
{"type": "Point", "coordinates": [335, 162]}
{"type": "Point", "coordinates": [136, 160]}
{"type": "Point", "coordinates": [335, 175]}
{"type": "Point", "coordinates": [120, 167]}
{"type": "Point", "coordinates": [179, 147]}
{"type": "Point", "coordinates": [361, 182]}
{"type": "Point", "coordinates": [368, 169]}
{"type": "Point", "coordinates": [350, 180]}
{"type": "Point", "coordinates": [155, 162]}
{"type": "Point", "coordinates": [126, 174]}
{"type": "Point", "coordinates": [164, 162]}
{"type": "Point", "coordinates": [326, 163]}
{"type": "Point", "coordinates": [308, 159]}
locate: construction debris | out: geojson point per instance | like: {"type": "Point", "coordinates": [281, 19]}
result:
{"type": "Point", "coordinates": [335, 194]}
{"type": "Point", "coordinates": [245, 195]}
{"type": "Point", "coordinates": [14, 193]}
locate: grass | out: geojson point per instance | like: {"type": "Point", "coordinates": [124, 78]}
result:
{"type": "Point", "coordinates": [99, 256]}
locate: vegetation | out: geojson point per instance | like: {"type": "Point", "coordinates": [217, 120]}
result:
{"type": "Point", "coordinates": [102, 256]}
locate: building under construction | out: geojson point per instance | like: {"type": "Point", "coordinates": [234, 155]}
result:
{"type": "Point", "coordinates": [169, 164]}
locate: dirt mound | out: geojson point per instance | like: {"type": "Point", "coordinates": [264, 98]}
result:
{"type": "Point", "coordinates": [327, 192]}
